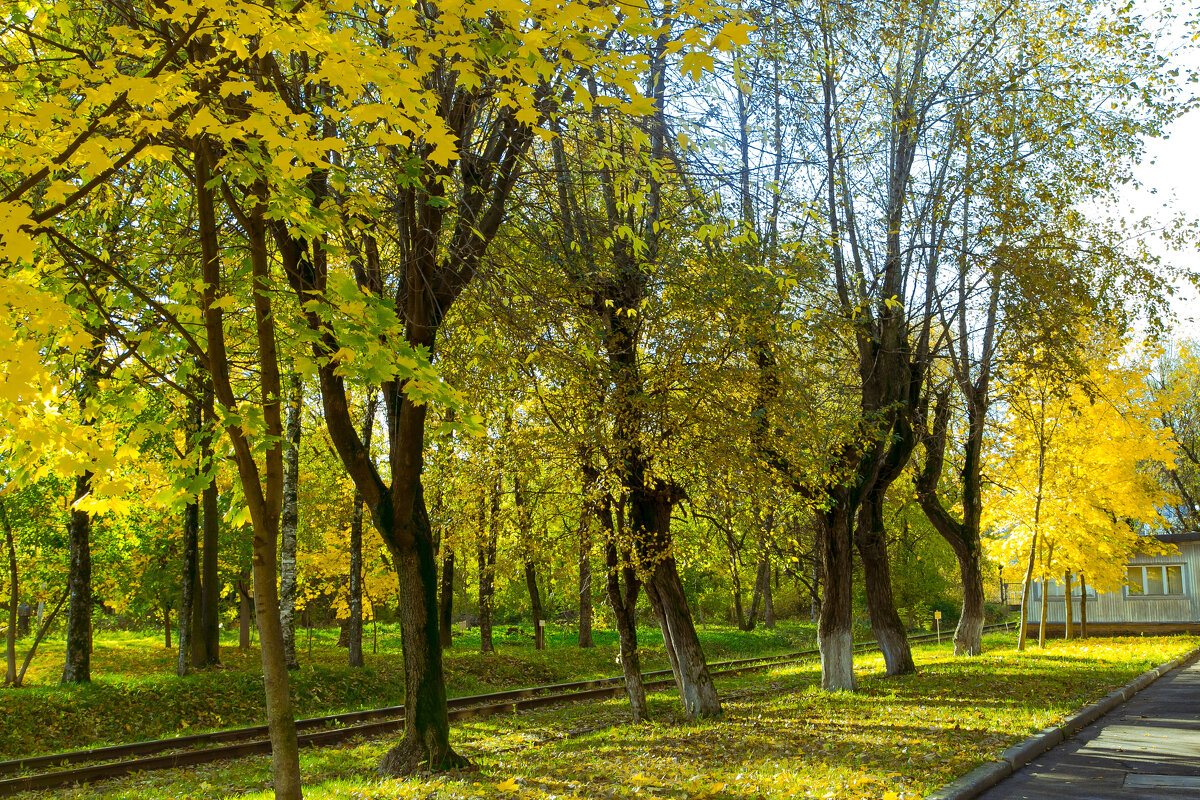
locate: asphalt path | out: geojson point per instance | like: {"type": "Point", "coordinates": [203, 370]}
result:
{"type": "Point", "coordinates": [1147, 748]}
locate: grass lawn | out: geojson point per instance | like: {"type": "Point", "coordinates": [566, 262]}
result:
{"type": "Point", "coordinates": [780, 737]}
{"type": "Point", "coordinates": [135, 694]}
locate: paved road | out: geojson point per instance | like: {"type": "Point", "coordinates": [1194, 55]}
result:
{"type": "Point", "coordinates": [1147, 748]}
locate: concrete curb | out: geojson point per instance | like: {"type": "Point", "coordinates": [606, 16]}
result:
{"type": "Point", "coordinates": [985, 776]}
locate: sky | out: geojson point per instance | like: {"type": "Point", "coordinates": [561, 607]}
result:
{"type": "Point", "coordinates": [1170, 178]}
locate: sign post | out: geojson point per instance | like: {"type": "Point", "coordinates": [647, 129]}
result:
{"type": "Point", "coordinates": [937, 621]}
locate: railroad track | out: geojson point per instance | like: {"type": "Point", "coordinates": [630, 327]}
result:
{"type": "Point", "coordinates": [47, 772]}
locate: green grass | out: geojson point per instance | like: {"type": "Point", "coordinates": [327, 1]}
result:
{"type": "Point", "coordinates": [780, 736]}
{"type": "Point", "coordinates": [135, 694]}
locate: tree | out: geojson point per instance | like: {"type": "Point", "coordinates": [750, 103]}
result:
{"type": "Point", "coordinates": [1071, 480]}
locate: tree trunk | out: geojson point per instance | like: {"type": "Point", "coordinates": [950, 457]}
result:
{"type": "Point", "coordinates": [1069, 621]}
{"type": "Point", "coordinates": [818, 582]}
{"type": "Point", "coordinates": [762, 586]}
{"type": "Point", "coordinates": [1082, 606]}
{"type": "Point", "coordinates": [188, 616]}
{"type": "Point", "coordinates": [535, 604]}
{"type": "Point", "coordinates": [446, 611]}
{"type": "Point", "coordinates": [206, 647]}
{"type": "Point", "coordinates": [739, 616]}
{"type": "Point", "coordinates": [1042, 615]}
{"type": "Point", "coordinates": [487, 571]}
{"type": "Point", "coordinates": [280, 722]}
{"type": "Point", "coordinates": [623, 603]}
{"type": "Point", "coordinates": [79, 582]}
{"type": "Point", "coordinates": [650, 520]}
{"type": "Point", "coordinates": [262, 486]}
{"type": "Point", "coordinates": [243, 593]}
{"type": "Point", "coordinates": [768, 596]}
{"type": "Point", "coordinates": [14, 595]}
{"type": "Point", "coordinates": [835, 633]}
{"type": "Point", "coordinates": [354, 626]}
{"type": "Point", "coordinates": [289, 522]}
{"type": "Point", "coordinates": [968, 636]}
{"type": "Point", "coordinates": [1026, 588]}
{"type": "Point", "coordinates": [426, 742]}
{"type": "Point", "coordinates": [585, 580]}
{"type": "Point", "coordinates": [871, 539]}
{"type": "Point", "coordinates": [166, 609]}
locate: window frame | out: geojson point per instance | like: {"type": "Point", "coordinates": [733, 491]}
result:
{"type": "Point", "coordinates": [1165, 583]}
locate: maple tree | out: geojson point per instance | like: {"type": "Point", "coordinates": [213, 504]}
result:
{"type": "Point", "coordinates": [1070, 485]}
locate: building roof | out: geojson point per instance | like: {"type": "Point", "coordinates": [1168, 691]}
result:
{"type": "Point", "coordinates": [1177, 538]}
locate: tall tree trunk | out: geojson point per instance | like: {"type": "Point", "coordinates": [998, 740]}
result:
{"type": "Point", "coordinates": [210, 583]}
{"type": "Point", "coordinates": [1026, 589]}
{"type": "Point", "coordinates": [354, 626]}
{"type": "Point", "coordinates": [871, 539]}
{"type": "Point", "coordinates": [262, 486]}
{"type": "Point", "coordinates": [585, 580]}
{"type": "Point", "coordinates": [1045, 600]}
{"type": "Point", "coordinates": [1082, 606]}
{"type": "Point", "coordinates": [768, 595]}
{"type": "Point", "coordinates": [1069, 621]}
{"type": "Point", "coordinates": [835, 634]}
{"type": "Point", "coordinates": [1042, 615]}
{"type": "Point", "coordinates": [446, 611]}
{"type": "Point", "coordinates": [535, 604]}
{"type": "Point", "coordinates": [650, 520]}
{"type": "Point", "coordinates": [166, 611]}
{"type": "Point", "coordinates": [190, 639]}
{"type": "Point", "coordinates": [487, 570]}
{"type": "Point", "coordinates": [14, 597]}
{"type": "Point", "coordinates": [963, 535]}
{"type": "Point", "coordinates": [623, 603]}
{"type": "Point", "coordinates": [426, 740]}
{"type": "Point", "coordinates": [187, 591]}
{"type": "Point", "coordinates": [739, 615]}
{"type": "Point", "coordinates": [78, 667]}
{"type": "Point", "coordinates": [289, 521]}
{"type": "Point", "coordinates": [762, 588]}
{"type": "Point", "coordinates": [243, 593]}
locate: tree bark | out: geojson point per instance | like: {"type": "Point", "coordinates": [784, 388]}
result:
{"type": "Point", "coordinates": [190, 635]}
{"type": "Point", "coordinates": [354, 626]}
{"type": "Point", "coordinates": [187, 590]}
{"type": "Point", "coordinates": [289, 521]}
{"type": "Point", "coordinates": [623, 602]}
{"type": "Point", "coordinates": [262, 485]}
{"type": "Point", "coordinates": [1082, 606]}
{"type": "Point", "coordinates": [871, 539]}
{"type": "Point", "coordinates": [835, 633]}
{"type": "Point", "coordinates": [206, 646]}
{"type": "Point", "coordinates": [426, 740]}
{"type": "Point", "coordinates": [79, 582]}
{"type": "Point", "coordinates": [243, 593]}
{"type": "Point", "coordinates": [487, 571]}
{"type": "Point", "coordinates": [650, 520]}
{"type": "Point", "coordinates": [166, 611]}
{"type": "Point", "coordinates": [1068, 617]}
{"type": "Point", "coordinates": [762, 579]}
{"type": "Point", "coordinates": [768, 596]}
{"type": "Point", "coordinates": [446, 610]}
{"type": "Point", "coordinates": [535, 604]}
{"type": "Point", "coordinates": [585, 580]}
{"type": "Point", "coordinates": [14, 596]}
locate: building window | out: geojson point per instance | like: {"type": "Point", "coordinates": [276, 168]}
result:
{"type": "Point", "coordinates": [1055, 589]}
{"type": "Point", "coordinates": [1154, 581]}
